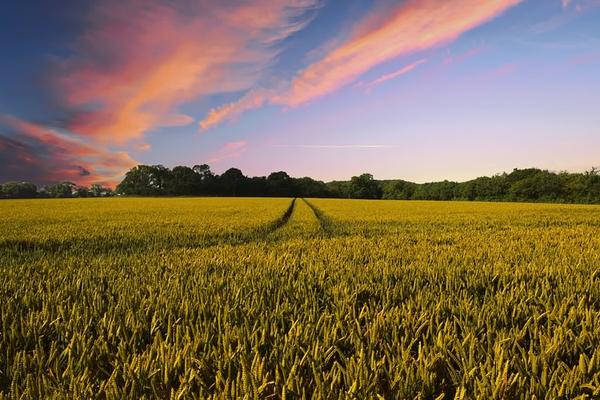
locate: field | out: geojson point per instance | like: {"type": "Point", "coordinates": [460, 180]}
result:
{"type": "Point", "coordinates": [280, 298]}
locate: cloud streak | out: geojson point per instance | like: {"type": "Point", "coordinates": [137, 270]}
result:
{"type": "Point", "coordinates": [139, 61]}
{"type": "Point", "coordinates": [228, 151]}
{"type": "Point", "coordinates": [335, 146]}
{"type": "Point", "coordinates": [43, 155]}
{"type": "Point", "coordinates": [131, 68]}
{"type": "Point", "coordinates": [253, 99]}
{"type": "Point", "coordinates": [386, 77]}
{"type": "Point", "coordinates": [388, 33]}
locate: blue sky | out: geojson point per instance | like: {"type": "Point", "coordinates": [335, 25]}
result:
{"type": "Point", "coordinates": [422, 90]}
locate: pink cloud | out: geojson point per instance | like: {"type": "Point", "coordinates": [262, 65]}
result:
{"type": "Point", "coordinates": [406, 28]}
{"type": "Point", "coordinates": [139, 61]}
{"type": "Point", "coordinates": [228, 151]}
{"type": "Point", "coordinates": [386, 77]}
{"type": "Point", "coordinates": [251, 100]}
{"type": "Point", "coordinates": [414, 26]}
{"type": "Point", "coordinates": [586, 58]}
{"type": "Point", "coordinates": [143, 147]}
{"type": "Point", "coordinates": [459, 58]}
{"type": "Point", "coordinates": [335, 146]}
{"type": "Point", "coordinates": [502, 71]}
{"type": "Point", "coordinates": [44, 155]}
{"type": "Point", "coordinates": [134, 65]}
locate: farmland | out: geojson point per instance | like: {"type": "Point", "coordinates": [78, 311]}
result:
{"type": "Point", "coordinates": [281, 298]}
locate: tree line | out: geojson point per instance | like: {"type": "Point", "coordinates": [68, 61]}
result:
{"type": "Point", "coordinates": [28, 190]}
{"type": "Point", "coordinates": [531, 184]}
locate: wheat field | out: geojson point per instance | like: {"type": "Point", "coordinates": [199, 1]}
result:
{"type": "Point", "coordinates": [199, 298]}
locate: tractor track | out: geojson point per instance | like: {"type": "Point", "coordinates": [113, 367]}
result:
{"type": "Point", "coordinates": [42, 248]}
{"type": "Point", "coordinates": [325, 222]}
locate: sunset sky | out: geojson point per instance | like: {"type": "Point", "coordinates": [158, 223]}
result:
{"type": "Point", "coordinates": [421, 90]}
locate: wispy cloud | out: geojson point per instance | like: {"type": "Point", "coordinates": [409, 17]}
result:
{"type": "Point", "coordinates": [132, 67]}
{"type": "Point", "coordinates": [336, 146]}
{"type": "Point", "coordinates": [250, 101]}
{"type": "Point", "coordinates": [459, 58]}
{"type": "Point", "coordinates": [502, 71]}
{"type": "Point", "coordinates": [43, 155]}
{"type": "Point", "coordinates": [411, 27]}
{"type": "Point", "coordinates": [143, 147]}
{"type": "Point", "coordinates": [572, 9]}
{"type": "Point", "coordinates": [228, 151]}
{"type": "Point", "coordinates": [138, 62]}
{"type": "Point", "coordinates": [386, 34]}
{"type": "Point", "coordinates": [386, 77]}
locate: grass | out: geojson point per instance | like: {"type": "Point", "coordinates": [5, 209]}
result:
{"type": "Point", "coordinates": [269, 298]}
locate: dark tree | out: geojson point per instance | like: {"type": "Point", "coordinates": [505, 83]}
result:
{"type": "Point", "coordinates": [61, 190]}
{"type": "Point", "coordinates": [466, 191]}
{"type": "Point", "coordinates": [82, 191]}
{"type": "Point", "coordinates": [145, 180]}
{"type": "Point", "coordinates": [308, 187]}
{"type": "Point", "coordinates": [204, 172]}
{"type": "Point", "coordinates": [339, 189]}
{"type": "Point", "coordinates": [530, 184]}
{"type": "Point", "coordinates": [207, 180]}
{"type": "Point", "coordinates": [16, 190]}
{"type": "Point", "coordinates": [184, 182]}
{"type": "Point", "coordinates": [257, 186]}
{"type": "Point", "coordinates": [97, 190]}
{"type": "Point", "coordinates": [232, 182]}
{"type": "Point", "coordinates": [491, 188]}
{"type": "Point", "coordinates": [364, 187]}
{"type": "Point", "coordinates": [280, 184]}
{"type": "Point", "coordinates": [399, 190]}
{"type": "Point", "coordinates": [591, 182]}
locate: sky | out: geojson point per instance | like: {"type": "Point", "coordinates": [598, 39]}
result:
{"type": "Point", "coordinates": [422, 90]}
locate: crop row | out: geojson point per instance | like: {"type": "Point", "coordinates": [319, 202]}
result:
{"type": "Point", "coordinates": [346, 299]}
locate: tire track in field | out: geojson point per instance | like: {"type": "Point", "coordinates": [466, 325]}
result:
{"type": "Point", "coordinates": [326, 224]}
{"type": "Point", "coordinates": [259, 234]}
{"type": "Point", "coordinates": [281, 221]}
{"type": "Point", "coordinates": [42, 248]}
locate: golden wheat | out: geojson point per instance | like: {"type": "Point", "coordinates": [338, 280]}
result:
{"type": "Point", "coordinates": [269, 298]}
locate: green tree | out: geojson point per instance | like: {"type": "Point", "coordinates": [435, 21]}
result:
{"type": "Point", "coordinates": [206, 178]}
{"type": "Point", "coordinates": [82, 191]}
{"type": "Point", "coordinates": [538, 185]}
{"type": "Point", "coordinates": [232, 182]}
{"type": "Point", "coordinates": [97, 190]}
{"type": "Point", "coordinates": [491, 188]}
{"type": "Point", "coordinates": [365, 187]}
{"type": "Point", "coordinates": [280, 184]}
{"type": "Point", "coordinates": [308, 187]}
{"type": "Point", "coordinates": [18, 190]}
{"type": "Point", "coordinates": [466, 191]}
{"type": "Point", "coordinates": [399, 190]}
{"type": "Point", "coordinates": [61, 190]}
{"type": "Point", "coordinates": [145, 180]}
{"type": "Point", "coordinates": [184, 182]}
{"type": "Point", "coordinates": [340, 189]}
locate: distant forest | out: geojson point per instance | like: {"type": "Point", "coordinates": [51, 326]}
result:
{"type": "Point", "coordinates": [529, 184]}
